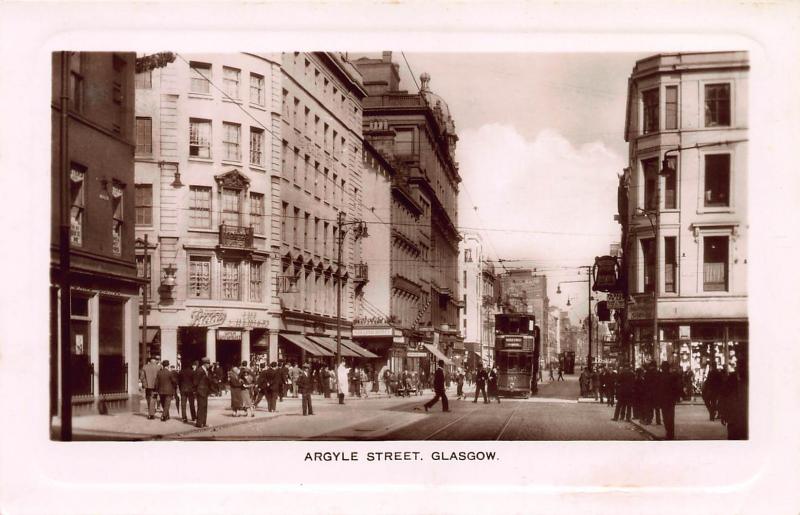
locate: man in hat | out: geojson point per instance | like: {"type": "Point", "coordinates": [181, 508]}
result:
{"type": "Point", "coordinates": [273, 383]}
{"type": "Point", "coordinates": [480, 383]}
{"type": "Point", "coordinates": [667, 395]}
{"type": "Point", "coordinates": [304, 388]}
{"type": "Point", "coordinates": [148, 379]}
{"type": "Point", "coordinates": [166, 385]}
{"type": "Point", "coordinates": [438, 388]}
{"type": "Point", "coordinates": [186, 382]}
{"type": "Point", "coordinates": [204, 386]}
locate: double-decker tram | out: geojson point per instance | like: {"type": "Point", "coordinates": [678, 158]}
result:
{"type": "Point", "coordinates": [516, 353]}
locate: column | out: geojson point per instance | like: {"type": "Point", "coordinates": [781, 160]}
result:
{"type": "Point", "coordinates": [169, 344]}
{"type": "Point", "coordinates": [94, 342]}
{"type": "Point", "coordinates": [245, 351]}
{"type": "Point", "coordinates": [211, 345]}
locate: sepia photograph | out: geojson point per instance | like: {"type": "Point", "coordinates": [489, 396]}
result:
{"type": "Point", "coordinates": [340, 246]}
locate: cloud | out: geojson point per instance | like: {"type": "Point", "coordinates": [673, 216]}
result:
{"type": "Point", "coordinates": [556, 201]}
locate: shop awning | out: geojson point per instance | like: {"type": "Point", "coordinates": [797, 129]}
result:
{"type": "Point", "coordinates": [330, 345]}
{"type": "Point", "coordinates": [152, 332]}
{"type": "Point", "coordinates": [358, 348]}
{"type": "Point", "coordinates": [306, 344]}
{"type": "Point", "coordinates": [436, 352]}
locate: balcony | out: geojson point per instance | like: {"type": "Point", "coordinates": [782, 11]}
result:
{"type": "Point", "coordinates": [361, 274]}
{"type": "Point", "coordinates": [235, 237]}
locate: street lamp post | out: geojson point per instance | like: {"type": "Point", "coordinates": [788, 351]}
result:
{"type": "Point", "coordinates": [340, 237]}
{"type": "Point", "coordinates": [588, 281]}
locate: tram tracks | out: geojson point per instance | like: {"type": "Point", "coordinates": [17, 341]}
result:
{"type": "Point", "coordinates": [474, 410]}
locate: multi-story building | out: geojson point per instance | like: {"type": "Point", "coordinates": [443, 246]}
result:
{"type": "Point", "coordinates": [321, 202]}
{"type": "Point", "coordinates": [685, 224]}
{"type": "Point", "coordinates": [418, 138]}
{"type": "Point", "coordinates": [552, 347]}
{"type": "Point", "coordinates": [524, 291]}
{"type": "Point", "coordinates": [208, 201]}
{"type": "Point", "coordinates": [92, 192]}
{"type": "Point", "coordinates": [477, 296]}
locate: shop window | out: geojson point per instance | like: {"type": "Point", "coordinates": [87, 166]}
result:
{"type": "Point", "coordinates": [257, 212]}
{"type": "Point", "coordinates": [670, 264]}
{"type": "Point", "coordinates": [648, 264]}
{"type": "Point", "coordinates": [77, 176]}
{"type": "Point", "coordinates": [715, 263]}
{"type": "Point", "coordinates": [200, 76]}
{"type": "Point", "coordinates": [231, 142]}
{"type": "Point", "coordinates": [200, 207]}
{"type": "Point", "coordinates": [81, 367]}
{"type": "Point", "coordinates": [671, 108]}
{"type": "Point", "coordinates": [717, 180]}
{"type": "Point", "coordinates": [717, 105]}
{"type": "Point", "coordinates": [112, 347]}
{"type": "Point", "coordinates": [200, 138]}
{"type": "Point", "coordinates": [650, 111]}
{"type": "Point", "coordinates": [199, 277]}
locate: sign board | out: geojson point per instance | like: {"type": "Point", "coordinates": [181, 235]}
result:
{"type": "Point", "coordinates": [606, 271]}
{"type": "Point", "coordinates": [513, 342]}
{"type": "Point", "coordinates": [641, 306]}
{"type": "Point", "coordinates": [684, 332]}
{"type": "Point", "coordinates": [372, 331]}
{"type": "Point", "coordinates": [228, 334]}
{"type": "Point", "coordinates": [416, 354]}
{"type": "Point", "coordinates": [616, 301]}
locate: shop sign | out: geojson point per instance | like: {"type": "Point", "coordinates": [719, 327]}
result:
{"type": "Point", "coordinates": [248, 320]}
{"type": "Point", "coordinates": [616, 301]}
{"type": "Point", "coordinates": [207, 318]}
{"type": "Point", "coordinates": [684, 332]}
{"type": "Point", "coordinates": [641, 307]}
{"type": "Point", "coordinates": [228, 334]}
{"type": "Point", "coordinates": [372, 331]}
{"type": "Point", "coordinates": [605, 273]}
{"type": "Point", "coordinates": [108, 293]}
{"type": "Point", "coordinates": [416, 354]}
{"type": "Point", "coordinates": [399, 339]}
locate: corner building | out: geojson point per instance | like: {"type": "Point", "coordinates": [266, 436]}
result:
{"type": "Point", "coordinates": [692, 110]}
{"type": "Point", "coordinates": [476, 288]}
{"type": "Point", "coordinates": [415, 133]}
{"type": "Point", "coordinates": [207, 198]}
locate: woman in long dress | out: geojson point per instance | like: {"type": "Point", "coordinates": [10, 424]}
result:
{"type": "Point", "coordinates": [237, 389]}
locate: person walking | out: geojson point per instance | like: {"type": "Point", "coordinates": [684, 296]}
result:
{"type": "Point", "coordinates": [711, 390]}
{"type": "Point", "coordinates": [364, 382]}
{"type": "Point", "coordinates": [177, 397]}
{"type": "Point", "coordinates": [583, 381]}
{"type": "Point", "coordinates": [550, 371]}
{"type": "Point", "coordinates": [274, 385]}
{"type": "Point", "coordinates": [325, 377]}
{"type": "Point", "coordinates": [625, 386]}
{"type": "Point", "coordinates": [261, 385]}
{"type": "Point", "coordinates": [733, 402]}
{"type": "Point", "coordinates": [246, 378]}
{"type": "Point", "coordinates": [186, 385]}
{"type": "Point", "coordinates": [460, 384]}
{"type": "Point", "coordinates": [304, 389]}
{"type": "Point", "coordinates": [492, 380]}
{"type": "Point", "coordinates": [148, 379]}
{"type": "Point", "coordinates": [611, 384]}
{"type": "Point", "coordinates": [166, 386]}
{"type": "Point", "coordinates": [285, 381]}
{"type": "Point", "coordinates": [235, 383]}
{"type": "Point", "coordinates": [560, 373]}
{"type": "Point", "coordinates": [438, 389]}
{"type": "Point", "coordinates": [650, 393]}
{"type": "Point", "coordinates": [480, 383]}
{"type": "Point", "coordinates": [596, 384]}
{"type": "Point", "coordinates": [204, 385]}
{"type": "Point", "coordinates": [342, 376]}
{"type": "Point", "coordinates": [669, 393]}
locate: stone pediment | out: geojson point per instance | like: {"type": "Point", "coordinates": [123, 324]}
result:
{"type": "Point", "coordinates": [233, 180]}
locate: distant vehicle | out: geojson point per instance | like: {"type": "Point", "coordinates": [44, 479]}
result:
{"type": "Point", "coordinates": [516, 353]}
{"type": "Point", "coordinates": [567, 362]}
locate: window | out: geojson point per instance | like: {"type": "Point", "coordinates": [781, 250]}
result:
{"type": "Point", "coordinates": [467, 257]}
{"type": "Point", "coordinates": [316, 129]}
{"type": "Point", "coordinates": [256, 146]}
{"type": "Point", "coordinates": [718, 105]}
{"type": "Point", "coordinates": [650, 172]}
{"type": "Point", "coordinates": [648, 264]}
{"type": "Point", "coordinates": [717, 180]}
{"type": "Point", "coordinates": [144, 135]}
{"type": "Point", "coordinates": [144, 204]}
{"type": "Point", "coordinates": [404, 142]}
{"type": "Point", "coordinates": [670, 184]}
{"type": "Point", "coordinates": [325, 180]}
{"type": "Point", "coordinates": [230, 207]}
{"type": "Point", "coordinates": [143, 80]}
{"type": "Point", "coordinates": [295, 223]}
{"type": "Point", "coordinates": [306, 222]}
{"type": "Point", "coordinates": [316, 235]}
{"type": "Point", "coordinates": [316, 179]}
{"type": "Point", "coordinates": [117, 219]}
{"type": "Point", "coordinates": [200, 76]}
{"type": "Point", "coordinates": [650, 111]}
{"type": "Point", "coordinates": [284, 214]}
{"type": "Point", "coordinates": [325, 238]}
{"type": "Point", "coordinates": [465, 279]}
{"type": "Point", "coordinates": [199, 277]}
{"type": "Point", "coordinates": [296, 113]}
{"type": "Point", "coordinates": [255, 281]}
{"type": "Point", "coordinates": [230, 280]}
{"type": "Point", "coordinates": [295, 164]}
{"type": "Point", "coordinates": [670, 264]}
{"type": "Point", "coordinates": [715, 263]}
{"type": "Point", "coordinates": [200, 138]}
{"type": "Point", "coordinates": [230, 82]}
{"type": "Point", "coordinates": [671, 108]}
{"type": "Point", "coordinates": [144, 269]}
{"type": "Point", "coordinates": [257, 212]}
{"type": "Point", "coordinates": [200, 207]}
{"type": "Point", "coordinates": [306, 116]}
{"type": "Point", "coordinates": [325, 131]}
{"type": "Point", "coordinates": [232, 135]}
{"type": "Point", "coordinates": [306, 166]}
{"type": "Point", "coordinates": [257, 90]}
{"type": "Point", "coordinates": [77, 176]}
{"type": "Point", "coordinates": [75, 82]}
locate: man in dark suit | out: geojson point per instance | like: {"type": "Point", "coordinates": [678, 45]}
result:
{"type": "Point", "coordinates": [274, 385]}
{"type": "Point", "coordinates": [480, 383]}
{"type": "Point", "coordinates": [305, 387]}
{"type": "Point", "coordinates": [668, 394]}
{"type": "Point", "coordinates": [438, 388]}
{"type": "Point", "coordinates": [261, 385]}
{"type": "Point", "coordinates": [625, 386]}
{"type": "Point", "coordinates": [186, 383]}
{"type": "Point", "coordinates": [165, 385]}
{"type": "Point", "coordinates": [148, 379]}
{"type": "Point", "coordinates": [203, 387]}
{"type": "Point", "coordinates": [283, 379]}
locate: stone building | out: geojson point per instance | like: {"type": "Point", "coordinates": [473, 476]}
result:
{"type": "Point", "coordinates": [92, 112]}
{"type": "Point", "coordinates": [476, 288]}
{"type": "Point", "coordinates": [524, 291]}
{"type": "Point", "coordinates": [685, 226]}
{"type": "Point", "coordinates": [415, 133]}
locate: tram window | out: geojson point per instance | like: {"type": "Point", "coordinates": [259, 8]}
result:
{"type": "Point", "coordinates": [513, 362]}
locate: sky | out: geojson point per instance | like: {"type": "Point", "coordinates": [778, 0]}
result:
{"type": "Point", "coordinates": [540, 150]}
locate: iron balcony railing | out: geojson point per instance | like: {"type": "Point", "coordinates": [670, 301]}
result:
{"type": "Point", "coordinates": [235, 236]}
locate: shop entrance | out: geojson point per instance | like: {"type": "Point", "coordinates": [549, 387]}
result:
{"type": "Point", "coordinates": [229, 353]}
{"type": "Point", "coordinates": [191, 345]}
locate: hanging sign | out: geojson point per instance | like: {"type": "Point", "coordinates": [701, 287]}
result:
{"type": "Point", "coordinates": [606, 270]}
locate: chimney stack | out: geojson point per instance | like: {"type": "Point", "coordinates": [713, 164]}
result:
{"type": "Point", "coordinates": [387, 57]}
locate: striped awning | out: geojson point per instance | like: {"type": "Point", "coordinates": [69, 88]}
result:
{"type": "Point", "coordinates": [358, 348]}
{"type": "Point", "coordinates": [330, 345]}
{"type": "Point", "coordinates": [306, 344]}
{"type": "Point", "coordinates": [436, 352]}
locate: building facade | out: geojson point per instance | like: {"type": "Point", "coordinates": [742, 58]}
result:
{"type": "Point", "coordinates": [684, 221]}
{"type": "Point", "coordinates": [321, 194]}
{"type": "Point", "coordinates": [523, 291]}
{"type": "Point", "coordinates": [416, 134]}
{"type": "Point", "coordinates": [476, 290]}
{"type": "Point", "coordinates": [208, 201]}
{"type": "Point", "coordinates": [92, 192]}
